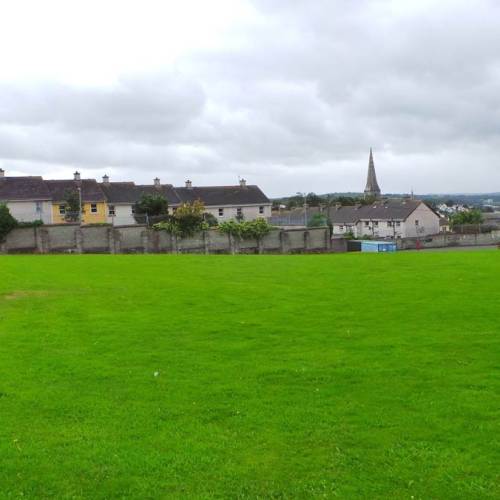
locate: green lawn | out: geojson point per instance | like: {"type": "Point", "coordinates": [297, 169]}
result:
{"type": "Point", "coordinates": [349, 376]}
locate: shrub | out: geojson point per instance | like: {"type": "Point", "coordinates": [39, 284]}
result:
{"type": "Point", "coordinates": [257, 228]}
{"type": "Point", "coordinates": [318, 220]}
{"type": "Point", "coordinates": [150, 205]}
{"type": "Point", "coordinates": [7, 222]}
{"type": "Point", "coordinates": [35, 223]}
{"type": "Point", "coordinates": [210, 219]}
{"type": "Point", "coordinates": [187, 220]}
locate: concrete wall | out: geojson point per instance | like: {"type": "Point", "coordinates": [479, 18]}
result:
{"type": "Point", "coordinates": [450, 240]}
{"type": "Point", "coordinates": [72, 238]}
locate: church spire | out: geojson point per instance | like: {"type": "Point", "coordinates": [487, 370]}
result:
{"type": "Point", "coordinates": [372, 189]}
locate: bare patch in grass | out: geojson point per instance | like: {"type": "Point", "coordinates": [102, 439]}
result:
{"type": "Point", "coordinates": [25, 294]}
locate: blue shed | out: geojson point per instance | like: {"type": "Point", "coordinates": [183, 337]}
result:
{"type": "Point", "coordinates": [378, 246]}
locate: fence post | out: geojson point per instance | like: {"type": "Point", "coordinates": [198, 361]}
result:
{"type": "Point", "coordinates": [282, 241]}
{"type": "Point", "coordinates": [306, 240]}
{"type": "Point", "coordinates": [145, 240]}
{"type": "Point", "coordinates": [79, 240]}
{"type": "Point", "coordinates": [206, 243]}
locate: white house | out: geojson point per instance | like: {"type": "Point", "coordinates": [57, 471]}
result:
{"type": "Point", "coordinates": [28, 198]}
{"type": "Point", "coordinates": [223, 202]}
{"type": "Point", "coordinates": [386, 219]}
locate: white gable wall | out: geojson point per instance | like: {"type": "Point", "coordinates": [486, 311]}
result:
{"type": "Point", "coordinates": [428, 222]}
{"type": "Point", "coordinates": [29, 211]}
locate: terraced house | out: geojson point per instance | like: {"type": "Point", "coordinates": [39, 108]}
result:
{"type": "Point", "coordinates": [94, 203]}
{"type": "Point", "coordinates": [33, 198]}
{"type": "Point", "coordinates": [28, 198]}
{"type": "Point", "coordinates": [223, 202]}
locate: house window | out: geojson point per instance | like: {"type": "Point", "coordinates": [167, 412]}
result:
{"type": "Point", "coordinates": [398, 224]}
{"type": "Point", "coordinates": [261, 210]}
{"type": "Point", "coordinates": [62, 209]}
{"type": "Point", "coordinates": [174, 209]}
{"type": "Point", "coordinates": [367, 223]}
{"type": "Point", "coordinates": [93, 208]}
{"type": "Point", "coordinates": [132, 209]}
{"type": "Point", "coordinates": [389, 224]}
{"type": "Point", "coordinates": [38, 207]}
{"type": "Point", "coordinates": [341, 228]}
{"type": "Point", "coordinates": [221, 212]}
{"type": "Point", "coordinates": [239, 212]}
{"type": "Point", "coordinates": [111, 211]}
{"type": "Point", "coordinates": [416, 223]}
{"type": "Point", "coordinates": [375, 223]}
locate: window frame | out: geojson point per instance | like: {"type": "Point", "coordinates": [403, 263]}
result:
{"type": "Point", "coordinates": [93, 208]}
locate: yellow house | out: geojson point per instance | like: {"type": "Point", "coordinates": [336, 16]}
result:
{"type": "Point", "coordinates": [94, 209]}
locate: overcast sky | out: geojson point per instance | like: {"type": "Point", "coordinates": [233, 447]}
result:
{"type": "Point", "coordinates": [290, 94]}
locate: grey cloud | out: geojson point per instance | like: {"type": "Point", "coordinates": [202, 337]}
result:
{"type": "Point", "coordinates": [296, 105]}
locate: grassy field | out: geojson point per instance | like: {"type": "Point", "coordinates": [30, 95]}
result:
{"type": "Point", "coordinates": [349, 376]}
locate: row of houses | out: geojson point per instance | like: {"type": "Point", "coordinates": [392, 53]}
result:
{"type": "Point", "coordinates": [390, 219]}
{"type": "Point", "coordinates": [34, 198]}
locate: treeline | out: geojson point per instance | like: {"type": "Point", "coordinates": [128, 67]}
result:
{"type": "Point", "coordinates": [316, 200]}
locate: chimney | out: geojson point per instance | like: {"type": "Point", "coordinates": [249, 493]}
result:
{"type": "Point", "coordinates": [76, 176]}
{"type": "Point", "coordinates": [189, 184]}
{"type": "Point", "coordinates": [105, 179]}
{"type": "Point", "coordinates": [157, 182]}
{"type": "Point", "coordinates": [2, 172]}
{"type": "Point", "coordinates": [243, 183]}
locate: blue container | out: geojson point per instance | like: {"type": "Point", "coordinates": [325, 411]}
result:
{"type": "Point", "coordinates": [378, 246]}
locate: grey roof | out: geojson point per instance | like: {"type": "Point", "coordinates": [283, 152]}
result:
{"type": "Point", "coordinates": [372, 188]}
{"type": "Point", "coordinates": [165, 190]}
{"type": "Point", "coordinates": [223, 195]}
{"type": "Point", "coordinates": [382, 210]}
{"type": "Point", "coordinates": [120, 192]}
{"type": "Point", "coordinates": [91, 191]}
{"type": "Point", "coordinates": [23, 188]}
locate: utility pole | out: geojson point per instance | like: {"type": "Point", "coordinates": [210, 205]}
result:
{"type": "Point", "coordinates": [80, 205]}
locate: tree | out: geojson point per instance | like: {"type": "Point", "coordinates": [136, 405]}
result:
{"type": "Point", "coordinates": [150, 205]}
{"type": "Point", "coordinates": [210, 219]}
{"type": "Point", "coordinates": [467, 217]}
{"type": "Point", "coordinates": [72, 205]}
{"type": "Point", "coordinates": [7, 221]}
{"type": "Point", "coordinates": [187, 220]}
{"type": "Point", "coordinates": [318, 220]}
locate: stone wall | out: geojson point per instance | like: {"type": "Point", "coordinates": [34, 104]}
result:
{"type": "Point", "coordinates": [71, 238]}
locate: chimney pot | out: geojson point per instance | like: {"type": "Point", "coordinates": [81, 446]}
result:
{"type": "Point", "coordinates": [243, 183]}
{"type": "Point", "coordinates": [189, 184]}
{"type": "Point", "coordinates": [76, 176]}
{"type": "Point", "coordinates": [105, 179]}
{"type": "Point", "coordinates": [157, 182]}
{"type": "Point", "coordinates": [2, 172]}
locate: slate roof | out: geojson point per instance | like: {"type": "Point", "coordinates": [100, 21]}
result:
{"type": "Point", "coordinates": [23, 188]}
{"type": "Point", "coordinates": [223, 195]}
{"type": "Point", "coordinates": [120, 192]}
{"type": "Point", "coordinates": [165, 190]}
{"type": "Point", "coordinates": [91, 191]}
{"type": "Point", "coordinates": [381, 210]}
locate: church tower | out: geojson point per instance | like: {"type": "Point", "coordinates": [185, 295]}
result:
{"type": "Point", "coordinates": [372, 189]}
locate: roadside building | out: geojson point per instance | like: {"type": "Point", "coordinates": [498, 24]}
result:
{"type": "Point", "coordinates": [94, 204]}
{"type": "Point", "coordinates": [385, 219]}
